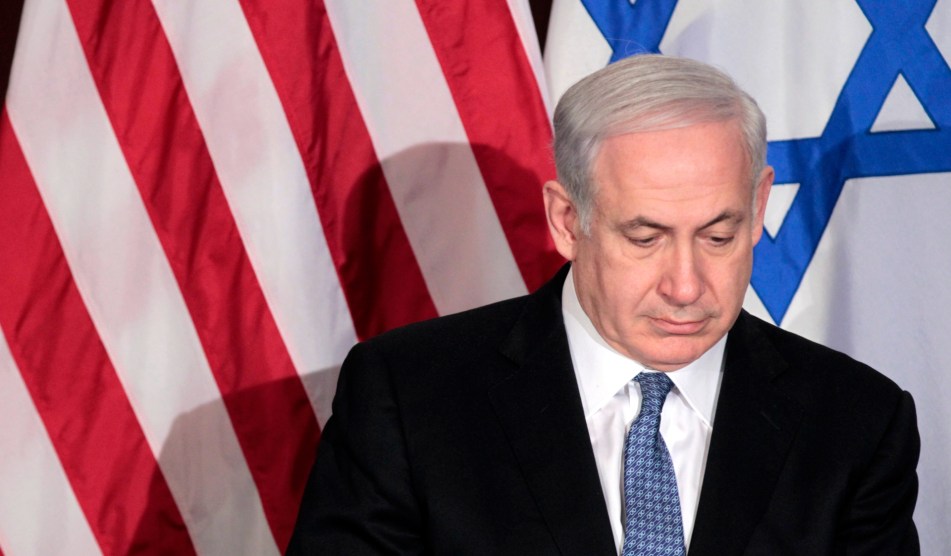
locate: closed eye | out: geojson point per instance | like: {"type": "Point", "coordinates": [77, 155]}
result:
{"type": "Point", "coordinates": [644, 242]}
{"type": "Point", "coordinates": [720, 241]}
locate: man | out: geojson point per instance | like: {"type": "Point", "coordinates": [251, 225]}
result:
{"type": "Point", "coordinates": [630, 405]}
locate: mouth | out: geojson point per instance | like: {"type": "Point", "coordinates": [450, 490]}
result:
{"type": "Point", "coordinates": [680, 327]}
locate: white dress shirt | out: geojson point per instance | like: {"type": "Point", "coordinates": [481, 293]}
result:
{"type": "Point", "coordinates": [611, 400]}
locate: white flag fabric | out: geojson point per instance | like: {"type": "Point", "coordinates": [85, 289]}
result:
{"type": "Point", "coordinates": [857, 96]}
{"type": "Point", "coordinates": [203, 205]}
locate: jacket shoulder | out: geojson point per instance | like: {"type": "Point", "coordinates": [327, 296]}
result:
{"type": "Point", "coordinates": [471, 329]}
{"type": "Point", "coordinates": [852, 402]}
{"type": "Point", "coordinates": [820, 362]}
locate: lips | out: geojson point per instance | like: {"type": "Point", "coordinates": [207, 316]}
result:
{"type": "Point", "coordinates": [680, 327]}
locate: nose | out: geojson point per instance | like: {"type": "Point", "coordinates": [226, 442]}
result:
{"type": "Point", "coordinates": [682, 283]}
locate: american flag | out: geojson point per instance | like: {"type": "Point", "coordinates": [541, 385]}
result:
{"type": "Point", "coordinates": [203, 206]}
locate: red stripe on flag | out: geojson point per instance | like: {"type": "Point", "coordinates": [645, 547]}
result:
{"type": "Point", "coordinates": [495, 91]}
{"type": "Point", "coordinates": [72, 382]}
{"type": "Point", "coordinates": [138, 79]}
{"type": "Point", "coordinates": [379, 273]}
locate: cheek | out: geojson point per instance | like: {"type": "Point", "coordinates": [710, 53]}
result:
{"type": "Point", "coordinates": [617, 287]}
{"type": "Point", "coordinates": [729, 278]}
{"type": "Point", "coordinates": [631, 292]}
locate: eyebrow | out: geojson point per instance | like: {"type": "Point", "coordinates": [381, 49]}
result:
{"type": "Point", "coordinates": [644, 222]}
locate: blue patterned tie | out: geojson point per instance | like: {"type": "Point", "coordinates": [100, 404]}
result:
{"type": "Point", "coordinates": [651, 503]}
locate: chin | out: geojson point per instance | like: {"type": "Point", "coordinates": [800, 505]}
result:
{"type": "Point", "coordinates": [680, 352]}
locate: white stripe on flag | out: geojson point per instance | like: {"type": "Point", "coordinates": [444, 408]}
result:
{"type": "Point", "coordinates": [264, 180]}
{"type": "Point", "coordinates": [123, 276]}
{"type": "Point", "coordinates": [425, 154]}
{"type": "Point", "coordinates": [525, 24]}
{"type": "Point", "coordinates": [39, 513]}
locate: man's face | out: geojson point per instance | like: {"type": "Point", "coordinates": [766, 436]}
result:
{"type": "Point", "coordinates": [663, 272]}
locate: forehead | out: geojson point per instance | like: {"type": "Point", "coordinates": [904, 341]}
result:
{"type": "Point", "coordinates": [674, 169]}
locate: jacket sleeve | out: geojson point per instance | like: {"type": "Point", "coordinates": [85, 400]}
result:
{"type": "Point", "coordinates": [879, 520]}
{"type": "Point", "coordinates": [358, 498]}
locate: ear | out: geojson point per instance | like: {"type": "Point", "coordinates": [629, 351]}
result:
{"type": "Point", "coordinates": [763, 187]}
{"type": "Point", "coordinates": [564, 223]}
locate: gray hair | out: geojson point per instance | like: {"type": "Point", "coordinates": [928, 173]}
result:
{"type": "Point", "coordinates": [646, 93]}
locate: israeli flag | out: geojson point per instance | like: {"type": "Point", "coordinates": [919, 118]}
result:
{"type": "Point", "coordinates": [857, 249]}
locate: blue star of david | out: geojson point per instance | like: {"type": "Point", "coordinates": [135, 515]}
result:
{"type": "Point", "coordinates": [847, 149]}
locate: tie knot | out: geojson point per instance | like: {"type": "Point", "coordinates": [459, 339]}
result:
{"type": "Point", "coordinates": [654, 390]}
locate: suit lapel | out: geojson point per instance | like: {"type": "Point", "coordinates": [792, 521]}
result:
{"type": "Point", "coordinates": [752, 432]}
{"type": "Point", "coordinates": [540, 410]}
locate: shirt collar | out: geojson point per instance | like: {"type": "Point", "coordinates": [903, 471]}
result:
{"type": "Point", "coordinates": [602, 371]}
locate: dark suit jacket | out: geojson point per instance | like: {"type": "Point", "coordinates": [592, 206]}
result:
{"type": "Point", "coordinates": [465, 435]}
